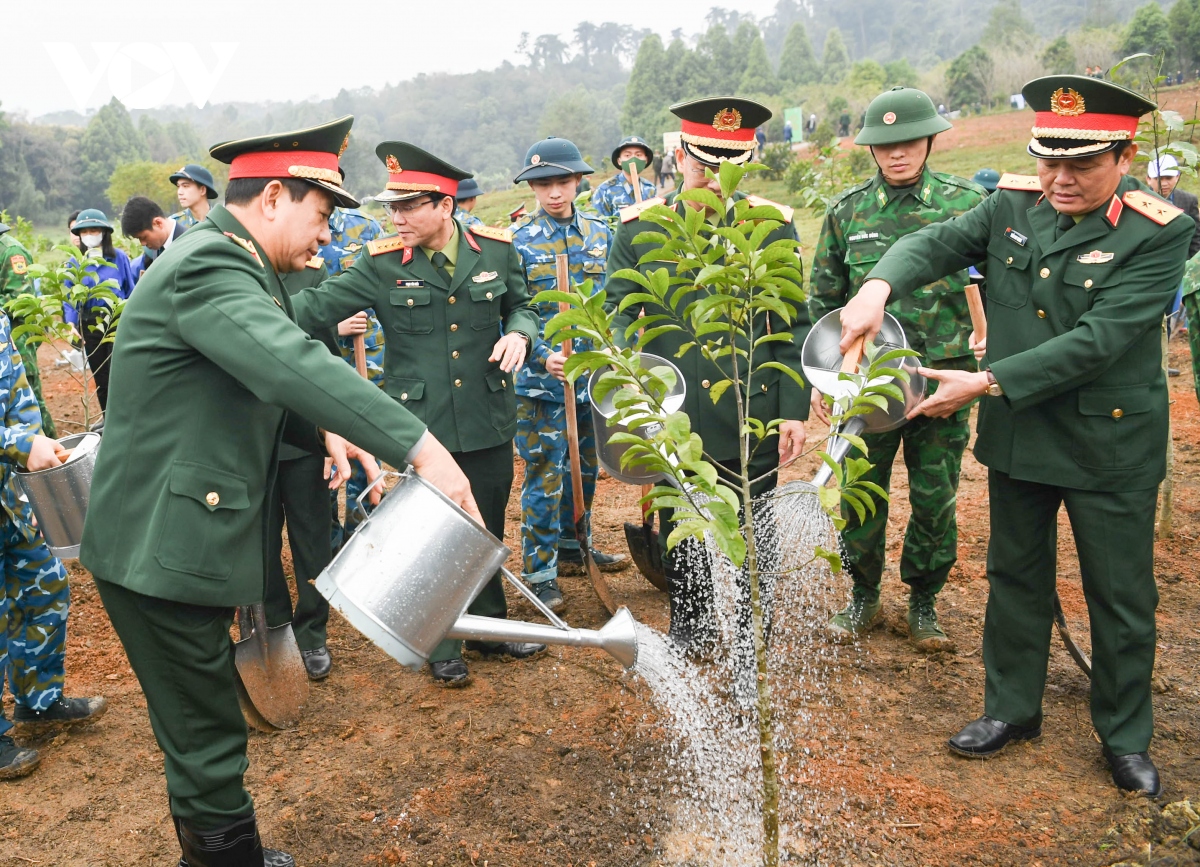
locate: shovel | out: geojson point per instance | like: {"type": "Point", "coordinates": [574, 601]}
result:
{"type": "Point", "coordinates": [581, 524]}
{"type": "Point", "coordinates": [270, 668]}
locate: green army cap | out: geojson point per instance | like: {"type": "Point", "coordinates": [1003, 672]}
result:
{"type": "Point", "coordinates": [552, 157]}
{"type": "Point", "coordinates": [1079, 116]}
{"type": "Point", "coordinates": [987, 178]}
{"type": "Point", "coordinates": [309, 155]}
{"type": "Point", "coordinates": [899, 115]}
{"type": "Point", "coordinates": [720, 128]}
{"type": "Point", "coordinates": [415, 172]}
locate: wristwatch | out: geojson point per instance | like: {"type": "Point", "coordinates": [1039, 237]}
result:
{"type": "Point", "coordinates": [993, 388]}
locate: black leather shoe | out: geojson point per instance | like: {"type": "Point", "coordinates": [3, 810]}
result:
{"type": "Point", "coordinates": [317, 662]}
{"type": "Point", "coordinates": [987, 736]}
{"type": "Point", "coordinates": [513, 649]}
{"type": "Point", "coordinates": [16, 761]}
{"type": "Point", "coordinates": [234, 845]}
{"type": "Point", "coordinates": [64, 711]}
{"type": "Point", "coordinates": [450, 672]}
{"type": "Point", "coordinates": [1134, 772]}
{"type": "Point", "coordinates": [604, 562]}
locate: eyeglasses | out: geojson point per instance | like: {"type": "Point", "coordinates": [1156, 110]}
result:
{"type": "Point", "coordinates": [403, 209]}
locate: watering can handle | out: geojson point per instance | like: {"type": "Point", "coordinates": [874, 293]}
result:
{"type": "Point", "coordinates": [358, 501]}
{"type": "Point", "coordinates": [853, 356]}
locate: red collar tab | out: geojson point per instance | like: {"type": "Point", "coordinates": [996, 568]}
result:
{"type": "Point", "coordinates": [1114, 211]}
{"type": "Point", "coordinates": [406, 256]}
{"type": "Point", "coordinates": [283, 164]}
{"type": "Point", "coordinates": [471, 242]}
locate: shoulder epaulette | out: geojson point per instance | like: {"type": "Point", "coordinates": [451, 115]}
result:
{"type": "Point", "coordinates": [385, 245]}
{"type": "Point", "coordinates": [248, 246]}
{"type": "Point", "coordinates": [1021, 183]}
{"type": "Point", "coordinates": [315, 263]}
{"type": "Point", "coordinates": [632, 212]}
{"type": "Point", "coordinates": [961, 183]}
{"type": "Point", "coordinates": [1158, 210]}
{"type": "Point", "coordinates": [845, 194]}
{"type": "Point", "coordinates": [760, 202]}
{"type": "Point", "coordinates": [491, 233]}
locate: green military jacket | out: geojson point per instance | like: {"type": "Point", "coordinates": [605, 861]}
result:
{"type": "Point", "coordinates": [300, 436]}
{"type": "Point", "coordinates": [205, 361]}
{"type": "Point", "coordinates": [862, 224]}
{"type": "Point", "coordinates": [772, 394]}
{"type": "Point", "coordinates": [439, 336]}
{"type": "Point", "coordinates": [14, 267]}
{"type": "Point", "coordinates": [1074, 329]}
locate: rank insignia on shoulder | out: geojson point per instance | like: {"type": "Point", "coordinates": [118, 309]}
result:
{"type": "Point", "coordinates": [760, 202]}
{"type": "Point", "coordinates": [862, 236]}
{"type": "Point", "coordinates": [1015, 236]}
{"type": "Point", "coordinates": [632, 212]}
{"type": "Point", "coordinates": [315, 263]}
{"type": "Point", "coordinates": [385, 245]}
{"type": "Point", "coordinates": [1022, 183]}
{"type": "Point", "coordinates": [248, 246]}
{"type": "Point", "coordinates": [484, 276]}
{"type": "Point", "coordinates": [493, 234]}
{"type": "Point", "coordinates": [1094, 258]}
{"type": "Point", "coordinates": [1151, 206]}
{"type": "Point", "coordinates": [19, 265]}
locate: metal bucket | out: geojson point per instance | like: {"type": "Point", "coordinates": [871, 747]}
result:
{"type": "Point", "coordinates": [821, 360]}
{"type": "Point", "coordinates": [59, 495]}
{"type": "Point", "coordinates": [610, 453]}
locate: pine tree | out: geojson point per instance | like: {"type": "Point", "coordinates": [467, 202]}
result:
{"type": "Point", "coordinates": [642, 113]}
{"type": "Point", "coordinates": [1184, 21]}
{"type": "Point", "coordinates": [758, 77]}
{"type": "Point", "coordinates": [1148, 31]}
{"type": "Point", "coordinates": [109, 140]}
{"type": "Point", "coordinates": [743, 43]}
{"type": "Point", "coordinates": [835, 59]}
{"type": "Point", "coordinates": [715, 51]}
{"type": "Point", "coordinates": [798, 64]}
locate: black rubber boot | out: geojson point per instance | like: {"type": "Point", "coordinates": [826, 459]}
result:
{"type": "Point", "coordinates": [234, 845]}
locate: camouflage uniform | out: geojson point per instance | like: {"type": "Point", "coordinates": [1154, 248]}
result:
{"type": "Point", "coordinates": [860, 225]}
{"type": "Point", "coordinates": [1191, 303]}
{"type": "Point", "coordinates": [547, 504]}
{"type": "Point", "coordinates": [185, 218]}
{"type": "Point", "coordinates": [350, 230]}
{"type": "Point", "coordinates": [33, 608]}
{"type": "Point", "coordinates": [14, 269]}
{"type": "Point", "coordinates": [617, 193]}
{"type": "Point", "coordinates": [466, 219]}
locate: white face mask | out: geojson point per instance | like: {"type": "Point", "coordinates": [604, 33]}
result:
{"type": "Point", "coordinates": [91, 239]}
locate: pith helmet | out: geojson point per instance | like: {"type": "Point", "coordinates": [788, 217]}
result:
{"type": "Point", "coordinates": [552, 158]}
{"type": "Point", "coordinates": [900, 114]}
{"type": "Point", "coordinates": [91, 218]}
{"type": "Point", "coordinates": [632, 141]}
{"type": "Point", "coordinates": [197, 175]}
{"type": "Point", "coordinates": [987, 178]}
{"type": "Point", "coordinates": [468, 189]}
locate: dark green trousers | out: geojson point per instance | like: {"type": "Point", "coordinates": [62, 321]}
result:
{"type": "Point", "coordinates": [490, 472]}
{"type": "Point", "coordinates": [301, 497]}
{"type": "Point", "coordinates": [1114, 538]}
{"type": "Point", "coordinates": [933, 450]}
{"type": "Point", "coordinates": [183, 658]}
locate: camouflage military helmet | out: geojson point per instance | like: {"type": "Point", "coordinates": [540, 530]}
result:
{"type": "Point", "coordinates": [901, 114]}
{"type": "Point", "coordinates": [552, 158]}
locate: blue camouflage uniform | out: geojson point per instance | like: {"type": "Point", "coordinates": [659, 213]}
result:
{"type": "Point", "coordinates": [33, 607]}
{"type": "Point", "coordinates": [466, 219]}
{"type": "Point", "coordinates": [184, 218]}
{"type": "Point", "coordinates": [547, 505]}
{"type": "Point", "coordinates": [617, 193]}
{"type": "Point", "coordinates": [350, 230]}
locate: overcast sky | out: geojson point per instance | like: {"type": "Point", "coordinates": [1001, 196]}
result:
{"type": "Point", "coordinates": [152, 54]}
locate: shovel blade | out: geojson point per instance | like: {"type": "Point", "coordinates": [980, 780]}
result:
{"type": "Point", "coordinates": [1077, 654]}
{"type": "Point", "coordinates": [642, 540]}
{"type": "Point", "coordinates": [254, 719]}
{"type": "Point", "coordinates": [599, 584]}
{"type": "Point", "coordinates": [271, 670]}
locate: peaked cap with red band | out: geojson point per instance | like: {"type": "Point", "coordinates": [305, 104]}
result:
{"type": "Point", "coordinates": [415, 172]}
{"type": "Point", "coordinates": [309, 155]}
{"type": "Point", "coordinates": [720, 128]}
{"type": "Point", "coordinates": [1079, 116]}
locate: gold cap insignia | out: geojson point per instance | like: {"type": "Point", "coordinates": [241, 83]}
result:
{"type": "Point", "coordinates": [728, 120]}
{"type": "Point", "coordinates": [345, 144]}
{"type": "Point", "coordinates": [889, 118]}
{"type": "Point", "coordinates": [393, 165]}
{"type": "Point", "coordinates": [535, 159]}
{"type": "Point", "coordinates": [1068, 103]}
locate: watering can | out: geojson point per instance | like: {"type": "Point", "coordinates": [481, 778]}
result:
{"type": "Point", "coordinates": [59, 495]}
{"type": "Point", "coordinates": [407, 575]}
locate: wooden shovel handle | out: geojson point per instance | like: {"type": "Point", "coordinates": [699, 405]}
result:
{"type": "Point", "coordinates": [560, 262]}
{"type": "Point", "coordinates": [360, 355]}
{"type": "Point", "coordinates": [978, 317]}
{"type": "Point", "coordinates": [637, 183]}
{"type": "Point", "coordinates": [62, 454]}
{"type": "Point", "coordinates": [854, 354]}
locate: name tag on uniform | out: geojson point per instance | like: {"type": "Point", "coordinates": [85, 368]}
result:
{"type": "Point", "coordinates": [484, 277]}
{"type": "Point", "coordinates": [1015, 236]}
{"type": "Point", "coordinates": [410, 284]}
{"type": "Point", "coordinates": [1094, 258]}
{"type": "Point", "coordinates": [862, 236]}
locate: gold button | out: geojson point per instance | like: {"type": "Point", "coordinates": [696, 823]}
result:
{"type": "Point", "coordinates": [504, 383]}
{"type": "Point", "coordinates": [454, 354]}
{"type": "Point", "coordinates": [1041, 314]}
{"type": "Point", "coordinates": [1045, 272]}
{"type": "Point", "coordinates": [1117, 413]}
{"type": "Point", "coordinates": [454, 327]}
{"type": "Point", "coordinates": [1008, 261]}
{"type": "Point", "coordinates": [488, 296]}
{"type": "Point", "coordinates": [763, 387]}
{"type": "Point", "coordinates": [410, 302]}
{"type": "Point", "coordinates": [1087, 284]}
{"type": "Point", "coordinates": [404, 396]}
{"type": "Point", "coordinates": [212, 498]}
{"type": "Point", "coordinates": [453, 299]}
{"type": "Point", "coordinates": [704, 383]}
{"type": "Point", "coordinates": [458, 383]}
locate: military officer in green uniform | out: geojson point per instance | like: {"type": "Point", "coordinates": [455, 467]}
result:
{"type": "Point", "coordinates": [458, 321]}
{"type": "Point", "coordinates": [14, 275]}
{"type": "Point", "coordinates": [713, 130]}
{"type": "Point", "coordinates": [209, 363]}
{"type": "Point", "coordinates": [860, 225]}
{"type": "Point", "coordinates": [1082, 261]}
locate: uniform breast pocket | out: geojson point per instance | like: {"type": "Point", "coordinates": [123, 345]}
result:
{"type": "Point", "coordinates": [859, 262]}
{"type": "Point", "coordinates": [410, 393]}
{"type": "Point", "coordinates": [1116, 428]}
{"type": "Point", "coordinates": [1008, 273]}
{"type": "Point", "coordinates": [485, 304]}
{"type": "Point", "coordinates": [207, 512]}
{"type": "Point", "coordinates": [502, 405]}
{"type": "Point", "coordinates": [412, 311]}
{"type": "Point", "coordinates": [1080, 283]}
{"type": "Point", "coordinates": [593, 269]}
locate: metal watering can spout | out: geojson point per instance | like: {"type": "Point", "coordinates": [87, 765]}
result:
{"type": "Point", "coordinates": [617, 637]}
